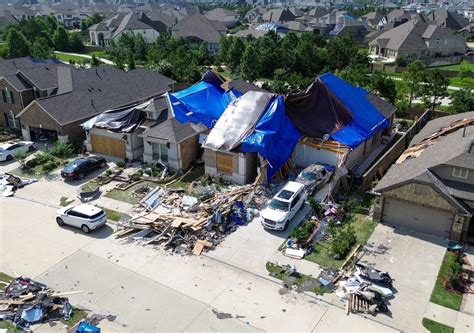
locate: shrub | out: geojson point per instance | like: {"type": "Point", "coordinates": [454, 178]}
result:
{"type": "Point", "coordinates": [120, 165]}
{"type": "Point", "coordinates": [315, 205]}
{"type": "Point", "coordinates": [49, 166]}
{"type": "Point", "coordinates": [303, 232]}
{"type": "Point", "coordinates": [39, 159]}
{"type": "Point", "coordinates": [62, 149]}
{"type": "Point", "coordinates": [453, 270]}
{"type": "Point", "coordinates": [135, 177]}
{"type": "Point", "coordinates": [343, 242]}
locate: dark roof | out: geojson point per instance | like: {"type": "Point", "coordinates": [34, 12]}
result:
{"type": "Point", "coordinates": [201, 27]}
{"type": "Point", "coordinates": [453, 149]}
{"type": "Point", "coordinates": [43, 77]}
{"type": "Point", "coordinates": [382, 106]}
{"type": "Point", "coordinates": [170, 129]}
{"type": "Point", "coordinates": [219, 14]}
{"type": "Point", "coordinates": [12, 66]}
{"type": "Point", "coordinates": [243, 86]}
{"type": "Point", "coordinates": [96, 90]}
{"type": "Point", "coordinates": [278, 15]}
{"type": "Point", "coordinates": [448, 19]}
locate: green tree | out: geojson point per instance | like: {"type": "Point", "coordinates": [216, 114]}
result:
{"type": "Point", "coordinates": [462, 100]}
{"type": "Point", "coordinates": [236, 50]}
{"type": "Point", "coordinates": [61, 39]}
{"type": "Point", "coordinates": [435, 87]}
{"type": "Point", "coordinates": [140, 47]}
{"type": "Point", "coordinates": [250, 68]}
{"type": "Point", "coordinates": [17, 44]}
{"type": "Point", "coordinates": [40, 49]}
{"type": "Point", "coordinates": [414, 77]}
{"type": "Point", "coordinates": [224, 45]}
{"type": "Point", "coordinates": [464, 70]}
{"type": "Point", "coordinates": [131, 61]}
{"type": "Point", "coordinates": [75, 43]}
{"type": "Point", "coordinates": [94, 61]}
{"type": "Point", "coordinates": [357, 75]}
{"type": "Point", "coordinates": [203, 55]}
{"type": "Point", "coordinates": [384, 86]}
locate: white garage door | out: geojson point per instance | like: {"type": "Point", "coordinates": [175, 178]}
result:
{"type": "Point", "coordinates": [419, 218]}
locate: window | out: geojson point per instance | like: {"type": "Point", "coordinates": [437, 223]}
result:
{"type": "Point", "coordinates": [8, 96]}
{"type": "Point", "coordinates": [11, 120]}
{"type": "Point", "coordinates": [460, 172]}
{"type": "Point", "coordinates": [160, 151]}
{"type": "Point", "coordinates": [420, 189]}
{"type": "Point", "coordinates": [295, 200]}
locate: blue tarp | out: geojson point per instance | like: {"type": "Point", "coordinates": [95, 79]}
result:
{"type": "Point", "coordinates": [203, 103]}
{"type": "Point", "coordinates": [274, 137]}
{"type": "Point", "coordinates": [366, 119]}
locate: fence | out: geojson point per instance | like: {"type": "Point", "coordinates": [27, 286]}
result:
{"type": "Point", "coordinates": [383, 163]}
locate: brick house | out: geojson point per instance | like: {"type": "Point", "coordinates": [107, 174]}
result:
{"type": "Point", "coordinates": [21, 81]}
{"type": "Point", "coordinates": [80, 94]}
{"type": "Point", "coordinates": [430, 188]}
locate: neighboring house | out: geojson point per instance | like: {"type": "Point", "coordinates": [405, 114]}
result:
{"type": "Point", "coordinates": [348, 26]}
{"type": "Point", "coordinates": [81, 94]}
{"type": "Point", "coordinates": [430, 188]}
{"type": "Point", "coordinates": [375, 20]}
{"type": "Point", "coordinates": [417, 38]}
{"type": "Point", "coordinates": [21, 81]}
{"type": "Point", "coordinates": [198, 29]}
{"type": "Point", "coordinates": [226, 16]}
{"type": "Point", "coordinates": [136, 23]}
{"type": "Point", "coordinates": [467, 30]}
{"type": "Point", "coordinates": [18, 12]}
{"type": "Point", "coordinates": [447, 19]}
{"type": "Point", "coordinates": [6, 18]}
{"type": "Point", "coordinates": [255, 14]}
{"type": "Point", "coordinates": [279, 15]}
{"type": "Point", "coordinates": [170, 142]}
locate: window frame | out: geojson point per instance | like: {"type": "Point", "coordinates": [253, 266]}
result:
{"type": "Point", "coordinates": [460, 172]}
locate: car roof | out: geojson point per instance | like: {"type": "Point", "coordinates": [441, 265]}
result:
{"type": "Point", "coordinates": [87, 209]}
{"type": "Point", "coordinates": [7, 145]}
{"type": "Point", "coordinates": [292, 186]}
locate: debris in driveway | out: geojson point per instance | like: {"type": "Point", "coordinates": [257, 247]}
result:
{"type": "Point", "coordinates": [190, 225]}
{"type": "Point", "coordinates": [222, 315]}
{"type": "Point", "coordinates": [10, 183]}
{"type": "Point", "coordinates": [25, 302]}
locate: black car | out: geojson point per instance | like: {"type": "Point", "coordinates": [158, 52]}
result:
{"type": "Point", "coordinates": [80, 167]}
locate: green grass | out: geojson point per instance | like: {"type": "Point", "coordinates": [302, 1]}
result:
{"type": "Point", "coordinates": [435, 327]}
{"type": "Point", "coordinates": [64, 201]}
{"type": "Point", "coordinates": [68, 57]}
{"type": "Point", "coordinates": [363, 228]}
{"type": "Point", "coordinates": [442, 296]}
{"type": "Point", "coordinates": [77, 316]}
{"type": "Point", "coordinates": [115, 215]}
{"type": "Point", "coordinates": [89, 186]}
{"type": "Point", "coordinates": [184, 183]}
{"type": "Point", "coordinates": [4, 278]}
{"type": "Point", "coordinates": [99, 54]}
{"type": "Point", "coordinates": [467, 82]}
{"type": "Point", "coordinates": [455, 68]}
{"type": "Point", "coordinates": [282, 274]}
{"type": "Point", "coordinates": [38, 171]}
{"type": "Point", "coordinates": [126, 196]}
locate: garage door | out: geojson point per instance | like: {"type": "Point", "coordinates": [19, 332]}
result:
{"type": "Point", "coordinates": [108, 146]}
{"type": "Point", "coordinates": [419, 218]}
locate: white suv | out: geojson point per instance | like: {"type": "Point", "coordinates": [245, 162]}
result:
{"type": "Point", "coordinates": [284, 206]}
{"type": "Point", "coordinates": [86, 217]}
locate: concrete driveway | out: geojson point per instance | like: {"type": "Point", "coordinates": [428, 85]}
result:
{"type": "Point", "coordinates": [413, 260]}
{"type": "Point", "coordinates": [251, 246]}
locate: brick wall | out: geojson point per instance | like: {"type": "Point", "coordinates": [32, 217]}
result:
{"type": "Point", "coordinates": [7, 107]}
{"type": "Point", "coordinates": [431, 199]}
{"type": "Point", "coordinates": [189, 150]}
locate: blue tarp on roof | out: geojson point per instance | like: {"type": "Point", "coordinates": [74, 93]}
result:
{"type": "Point", "coordinates": [274, 136]}
{"type": "Point", "coordinates": [203, 103]}
{"type": "Point", "coordinates": [366, 119]}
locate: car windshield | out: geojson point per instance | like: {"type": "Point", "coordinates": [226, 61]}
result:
{"type": "Point", "coordinates": [279, 205]}
{"type": "Point", "coordinates": [309, 175]}
{"type": "Point", "coordinates": [73, 165]}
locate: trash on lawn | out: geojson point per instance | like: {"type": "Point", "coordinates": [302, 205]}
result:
{"type": "Point", "coordinates": [26, 302]}
{"type": "Point", "coordinates": [193, 224]}
{"type": "Point", "coordinates": [10, 183]}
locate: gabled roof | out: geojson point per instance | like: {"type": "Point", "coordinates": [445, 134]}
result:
{"type": "Point", "coordinates": [96, 90]}
{"type": "Point", "coordinates": [170, 129]}
{"type": "Point", "coordinates": [455, 149]}
{"type": "Point", "coordinates": [12, 66]}
{"type": "Point", "coordinates": [201, 27]}
{"type": "Point", "coordinates": [448, 19]}
{"type": "Point", "coordinates": [278, 15]}
{"type": "Point", "coordinates": [219, 14]}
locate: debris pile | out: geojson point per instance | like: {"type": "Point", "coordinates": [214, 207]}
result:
{"type": "Point", "coordinates": [186, 224]}
{"type": "Point", "coordinates": [366, 290]}
{"type": "Point", "coordinates": [25, 302]}
{"type": "Point", "coordinates": [10, 183]}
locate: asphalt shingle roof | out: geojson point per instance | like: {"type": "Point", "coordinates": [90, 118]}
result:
{"type": "Point", "coordinates": [199, 26]}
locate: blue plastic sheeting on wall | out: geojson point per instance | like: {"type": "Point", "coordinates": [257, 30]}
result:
{"type": "Point", "coordinates": [203, 103]}
{"type": "Point", "coordinates": [367, 120]}
{"type": "Point", "coordinates": [274, 137]}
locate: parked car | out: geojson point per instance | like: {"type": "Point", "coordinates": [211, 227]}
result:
{"type": "Point", "coordinates": [80, 167]}
{"type": "Point", "coordinates": [9, 149]}
{"type": "Point", "coordinates": [315, 176]}
{"type": "Point", "coordinates": [86, 217]}
{"type": "Point", "coordinates": [284, 206]}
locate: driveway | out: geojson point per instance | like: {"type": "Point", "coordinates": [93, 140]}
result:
{"type": "Point", "coordinates": [251, 246]}
{"type": "Point", "coordinates": [413, 260]}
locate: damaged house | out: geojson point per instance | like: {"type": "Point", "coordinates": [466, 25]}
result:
{"type": "Point", "coordinates": [430, 188]}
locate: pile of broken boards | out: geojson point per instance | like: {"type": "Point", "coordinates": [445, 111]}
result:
{"type": "Point", "coordinates": [186, 225]}
{"type": "Point", "coordinates": [25, 302]}
{"type": "Point", "coordinates": [10, 183]}
{"type": "Point", "coordinates": [366, 290]}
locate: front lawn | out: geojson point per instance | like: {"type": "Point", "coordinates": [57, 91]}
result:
{"type": "Point", "coordinates": [455, 68]}
{"type": "Point", "coordinates": [440, 295]}
{"type": "Point", "coordinates": [435, 327]}
{"type": "Point", "coordinates": [467, 82]}
{"type": "Point", "coordinates": [363, 228]}
{"type": "Point", "coordinates": [68, 58]}
{"type": "Point", "coordinates": [126, 195]}
{"type": "Point", "coordinates": [115, 215]}
{"type": "Point", "coordinates": [184, 183]}
{"type": "Point", "coordinates": [42, 169]}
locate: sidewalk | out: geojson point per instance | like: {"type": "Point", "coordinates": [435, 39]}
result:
{"type": "Point", "coordinates": [117, 205]}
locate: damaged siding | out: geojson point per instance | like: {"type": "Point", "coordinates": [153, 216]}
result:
{"type": "Point", "coordinates": [189, 150]}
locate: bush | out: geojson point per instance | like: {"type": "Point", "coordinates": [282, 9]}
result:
{"type": "Point", "coordinates": [136, 177]}
{"type": "Point", "coordinates": [50, 166]}
{"type": "Point", "coordinates": [303, 232]}
{"type": "Point", "coordinates": [39, 159]}
{"type": "Point", "coordinates": [62, 149]}
{"type": "Point", "coordinates": [315, 205]}
{"type": "Point", "coordinates": [343, 242]}
{"type": "Point", "coordinates": [120, 165]}
{"type": "Point", "coordinates": [453, 270]}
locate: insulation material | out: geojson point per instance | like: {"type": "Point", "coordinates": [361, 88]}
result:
{"type": "Point", "coordinates": [237, 121]}
{"type": "Point", "coordinates": [316, 111]}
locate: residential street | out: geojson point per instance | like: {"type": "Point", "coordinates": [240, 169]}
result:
{"type": "Point", "coordinates": [149, 290]}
